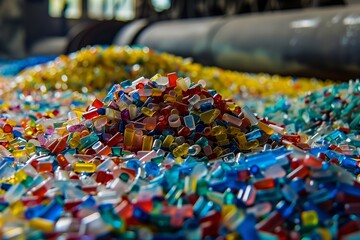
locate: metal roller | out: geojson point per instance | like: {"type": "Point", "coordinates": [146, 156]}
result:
{"type": "Point", "coordinates": [186, 37]}
{"type": "Point", "coordinates": [322, 42]}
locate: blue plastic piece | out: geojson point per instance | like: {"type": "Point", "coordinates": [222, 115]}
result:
{"type": "Point", "coordinates": [297, 184]}
{"type": "Point", "coordinates": [200, 128]}
{"type": "Point", "coordinates": [168, 131]}
{"type": "Point", "coordinates": [345, 161]}
{"type": "Point", "coordinates": [205, 106]}
{"type": "Point", "coordinates": [334, 135]}
{"type": "Point", "coordinates": [202, 207]}
{"type": "Point", "coordinates": [6, 170]}
{"type": "Point", "coordinates": [152, 169]}
{"type": "Point", "coordinates": [189, 122]}
{"type": "Point", "coordinates": [322, 195]}
{"type": "Point", "coordinates": [247, 228]}
{"type": "Point", "coordinates": [16, 133]}
{"type": "Point", "coordinates": [89, 202]}
{"type": "Point", "coordinates": [124, 98]}
{"type": "Point", "coordinates": [253, 135]}
{"type": "Point", "coordinates": [36, 211]}
{"type": "Point", "coordinates": [136, 96]}
{"type": "Point", "coordinates": [101, 111]}
{"type": "Point", "coordinates": [285, 209]}
{"type": "Point", "coordinates": [349, 189]}
{"type": "Point", "coordinates": [125, 84]}
{"type": "Point", "coordinates": [255, 171]}
{"type": "Point", "coordinates": [141, 215]}
{"type": "Point", "coordinates": [133, 164]}
{"type": "Point", "coordinates": [52, 211]}
{"type": "Point", "coordinates": [231, 175]}
{"type": "Point", "coordinates": [262, 159]}
{"type": "Point", "coordinates": [276, 137]}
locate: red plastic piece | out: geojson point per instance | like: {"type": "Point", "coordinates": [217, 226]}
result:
{"type": "Point", "coordinates": [281, 233]}
{"type": "Point", "coordinates": [292, 138]}
{"type": "Point", "coordinates": [245, 123]}
{"type": "Point", "coordinates": [91, 114]}
{"type": "Point", "coordinates": [264, 184]}
{"type": "Point", "coordinates": [60, 146]}
{"type": "Point", "coordinates": [348, 228]}
{"type": "Point", "coordinates": [44, 167]}
{"type": "Point", "coordinates": [52, 146]}
{"type": "Point", "coordinates": [217, 98]}
{"type": "Point", "coordinates": [31, 200]}
{"type": "Point", "coordinates": [7, 128]}
{"type": "Point", "coordinates": [63, 162]}
{"type": "Point", "coordinates": [39, 191]}
{"type": "Point", "coordinates": [103, 177]}
{"type": "Point", "coordinates": [184, 131]}
{"type": "Point", "coordinates": [181, 107]}
{"type": "Point", "coordinates": [90, 189]}
{"type": "Point", "coordinates": [146, 205]}
{"type": "Point", "coordinates": [300, 172]}
{"type": "Point", "coordinates": [139, 86]}
{"type": "Point", "coordinates": [312, 161]}
{"type": "Point", "coordinates": [243, 175]}
{"type": "Point", "coordinates": [97, 103]}
{"type": "Point", "coordinates": [210, 224]}
{"type": "Point", "coordinates": [90, 151]}
{"type": "Point", "coordinates": [115, 139]}
{"type": "Point", "coordinates": [172, 79]}
{"type": "Point", "coordinates": [70, 204]}
{"type": "Point", "coordinates": [270, 223]}
{"type": "Point", "coordinates": [161, 126]}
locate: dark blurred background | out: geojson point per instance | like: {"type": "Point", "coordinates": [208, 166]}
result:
{"type": "Point", "coordinates": [278, 36]}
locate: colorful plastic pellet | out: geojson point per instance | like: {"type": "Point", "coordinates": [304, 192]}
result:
{"type": "Point", "coordinates": [30, 148]}
{"type": "Point", "coordinates": [250, 115]}
{"type": "Point", "coordinates": [147, 143]}
{"type": "Point", "coordinates": [147, 112]}
{"type": "Point", "coordinates": [129, 137]}
{"type": "Point", "coordinates": [210, 116]}
{"type": "Point", "coordinates": [189, 122]}
{"type": "Point", "coordinates": [14, 193]}
{"type": "Point", "coordinates": [44, 167]}
{"type": "Point", "coordinates": [309, 218]}
{"type": "Point", "coordinates": [181, 150]}
{"type": "Point", "coordinates": [84, 167]}
{"type": "Point", "coordinates": [174, 120]}
{"type": "Point", "coordinates": [231, 119]}
{"type": "Point", "coordinates": [42, 224]}
{"type": "Point", "coordinates": [168, 141]}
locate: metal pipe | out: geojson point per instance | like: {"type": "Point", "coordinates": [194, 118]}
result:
{"type": "Point", "coordinates": [185, 37]}
{"type": "Point", "coordinates": [322, 43]}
